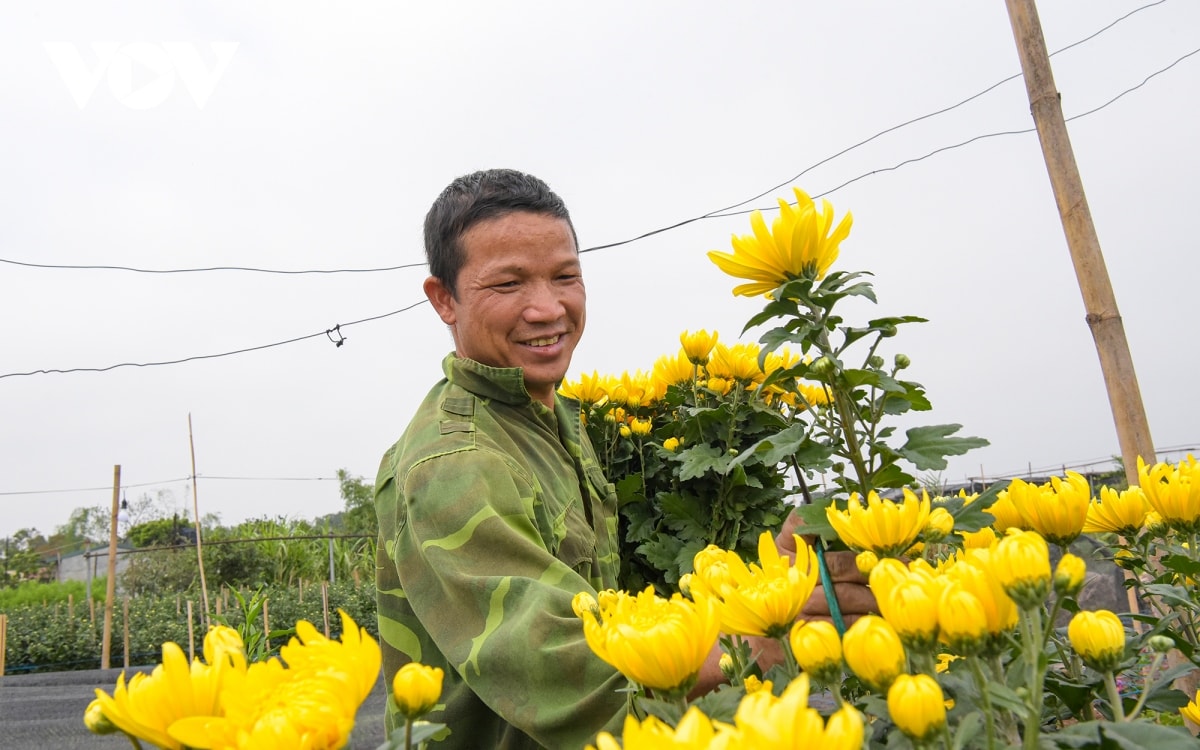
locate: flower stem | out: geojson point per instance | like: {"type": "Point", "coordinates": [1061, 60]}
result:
{"type": "Point", "coordinates": [408, 734]}
{"type": "Point", "coordinates": [1141, 702]}
{"type": "Point", "coordinates": [985, 698]}
{"type": "Point", "coordinates": [1114, 696]}
{"type": "Point", "coordinates": [1033, 645]}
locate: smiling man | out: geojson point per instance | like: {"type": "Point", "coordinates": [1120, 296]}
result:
{"type": "Point", "coordinates": [493, 512]}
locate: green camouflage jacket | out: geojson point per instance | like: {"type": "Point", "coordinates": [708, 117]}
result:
{"type": "Point", "coordinates": [493, 514]}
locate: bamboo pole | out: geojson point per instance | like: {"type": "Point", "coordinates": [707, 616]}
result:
{"type": "Point", "coordinates": [266, 627]}
{"type": "Point", "coordinates": [325, 605]}
{"type": "Point", "coordinates": [191, 635]}
{"type": "Point", "coordinates": [3, 640]}
{"type": "Point", "coordinates": [1103, 318]}
{"type": "Point", "coordinates": [126, 625]}
{"type": "Point", "coordinates": [111, 584]}
{"type": "Point", "coordinates": [196, 513]}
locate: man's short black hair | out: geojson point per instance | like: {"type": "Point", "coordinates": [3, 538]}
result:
{"type": "Point", "coordinates": [472, 198]}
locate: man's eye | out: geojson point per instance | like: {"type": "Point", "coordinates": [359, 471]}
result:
{"type": "Point", "coordinates": [505, 285]}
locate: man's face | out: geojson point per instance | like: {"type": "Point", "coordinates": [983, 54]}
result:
{"type": "Point", "coordinates": [520, 300]}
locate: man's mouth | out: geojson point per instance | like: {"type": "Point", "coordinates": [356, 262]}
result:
{"type": "Point", "coordinates": [546, 341]}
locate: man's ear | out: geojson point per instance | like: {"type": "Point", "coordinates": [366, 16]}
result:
{"type": "Point", "coordinates": [441, 299]}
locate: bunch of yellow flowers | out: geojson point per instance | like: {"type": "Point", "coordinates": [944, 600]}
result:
{"type": "Point", "coordinates": [307, 697]}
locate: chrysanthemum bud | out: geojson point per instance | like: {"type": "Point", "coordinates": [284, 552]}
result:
{"type": "Point", "coordinates": [1098, 637]}
{"type": "Point", "coordinates": [866, 562]}
{"type": "Point", "coordinates": [902, 361]}
{"type": "Point", "coordinates": [1069, 575]}
{"type": "Point", "coordinates": [671, 444]}
{"type": "Point", "coordinates": [875, 361]}
{"type": "Point", "coordinates": [95, 720]}
{"type": "Point", "coordinates": [727, 668]}
{"type": "Point", "coordinates": [416, 689]}
{"type": "Point", "coordinates": [917, 705]}
{"type": "Point", "coordinates": [939, 526]}
{"type": "Point", "coordinates": [1160, 644]}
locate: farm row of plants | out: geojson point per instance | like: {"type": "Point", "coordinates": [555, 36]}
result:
{"type": "Point", "coordinates": [53, 629]}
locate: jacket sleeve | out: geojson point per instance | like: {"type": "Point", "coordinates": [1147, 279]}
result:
{"type": "Point", "coordinates": [497, 602]}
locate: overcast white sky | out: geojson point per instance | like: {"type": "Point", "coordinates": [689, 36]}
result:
{"type": "Point", "coordinates": [333, 126]}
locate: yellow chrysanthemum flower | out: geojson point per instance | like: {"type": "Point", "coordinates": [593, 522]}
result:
{"type": "Point", "coordinates": [738, 363]}
{"type": "Point", "coordinates": [672, 370]}
{"type": "Point", "coordinates": [844, 730]}
{"type": "Point", "coordinates": [658, 643]}
{"type": "Point", "coordinates": [1021, 562]}
{"type": "Point", "coordinates": [962, 620]}
{"type": "Point", "coordinates": [698, 345]}
{"type": "Point", "coordinates": [917, 705]}
{"type": "Point", "coordinates": [640, 427]}
{"type": "Point", "coordinates": [884, 527]}
{"type": "Point", "coordinates": [939, 526]}
{"type": "Point", "coordinates": [764, 721]}
{"type": "Point", "coordinates": [818, 649]}
{"type": "Point", "coordinates": [1117, 512]}
{"type": "Point", "coordinates": [1173, 492]}
{"type": "Point", "coordinates": [1069, 575]}
{"type": "Point", "coordinates": [1191, 711]}
{"type": "Point", "coordinates": [589, 391]}
{"type": "Point", "coordinates": [1056, 511]}
{"type": "Point", "coordinates": [873, 651]}
{"type": "Point", "coordinates": [671, 444]}
{"type": "Point", "coordinates": [416, 689]}
{"type": "Point", "coordinates": [972, 570]}
{"type": "Point", "coordinates": [149, 705]}
{"type": "Point", "coordinates": [695, 732]}
{"type": "Point", "coordinates": [911, 607]}
{"type": "Point", "coordinates": [1006, 514]}
{"type": "Point", "coordinates": [1098, 637]}
{"type": "Point", "coordinates": [983, 538]}
{"type": "Point", "coordinates": [633, 391]}
{"type": "Point", "coordinates": [761, 599]}
{"type": "Point", "coordinates": [310, 703]}
{"type": "Point", "coordinates": [799, 243]}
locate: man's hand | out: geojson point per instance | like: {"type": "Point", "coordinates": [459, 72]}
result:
{"type": "Point", "coordinates": [849, 585]}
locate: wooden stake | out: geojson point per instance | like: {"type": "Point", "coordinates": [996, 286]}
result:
{"type": "Point", "coordinates": [266, 627]}
{"type": "Point", "coordinates": [111, 584]}
{"type": "Point", "coordinates": [325, 605]}
{"type": "Point", "coordinates": [92, 609]}
{"type": "Point", "coordinates": [71, 608]}
{"type": "Point", "coordinates": [1103, 318]}
{"type": "Point", "coordinates": [196, 513]}
{"type": "Point", "coordinates": [191, 635]}
{"type": "Point", "coordinates": [126, 623]}
{"type": "Point", "coordinates": [3, 640]}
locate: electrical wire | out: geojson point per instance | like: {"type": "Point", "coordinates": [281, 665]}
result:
{"type": "Point", "coordinates": [726, 211]}
{"type": "Point", "coordinates": [327, 333]}
{"type": "Point", "coordinates": [171, 481]}
{"type": "Point", "coordinates": [204, 270]}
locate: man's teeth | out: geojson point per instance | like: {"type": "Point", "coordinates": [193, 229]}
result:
{"type": "Point", "coordinates": [543, 342]}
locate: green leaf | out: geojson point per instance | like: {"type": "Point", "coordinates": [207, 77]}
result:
{"type": "Point", "coordinates": [660, 551]}
{"type": "Point", "coordinates": [684, 515]}
{"type": "Point", "coordinates": [701, 459]}
{"type": "Point", "coordinates": [973, 516]}
{"type": "Point", "coordinates": [927, 446]}
{"type": "Point", "coordinates": [793, 441]}
{"type": "Point", "coordinates": [814, 519]}
{"type": "Point", "coordinates": [1182, 565]}
{"type": "Point", "coordinates": [721, 704]}
{"type": "Point", "coordinates": [1137, 735]}
{"type": "Point", "coordinates": [968, 729]}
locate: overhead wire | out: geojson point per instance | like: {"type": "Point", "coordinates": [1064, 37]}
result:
{"type": "Point", "coordinates": [715, 213]}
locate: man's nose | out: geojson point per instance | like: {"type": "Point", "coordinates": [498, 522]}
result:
{"type": "Point", "coordinates": [543, 304]}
